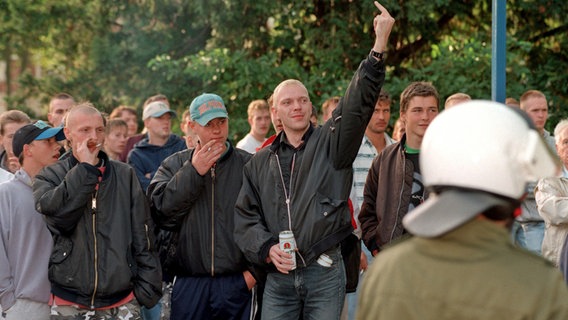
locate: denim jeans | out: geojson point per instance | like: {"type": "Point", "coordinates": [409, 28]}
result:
{"type": "Point", "coordinates": [315, 290]}
{"type": "Point", "coordinates": [353, 297]}
{"type": "Point", "coordinates": [529, 235]}
{"type": "Point", "coordinates": [153, 313]}
{"type": "Point", "coordinates": [564, 260]}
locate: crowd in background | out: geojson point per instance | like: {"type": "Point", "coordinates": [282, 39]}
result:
{"type": "Point", "coordinates": [99, 219]}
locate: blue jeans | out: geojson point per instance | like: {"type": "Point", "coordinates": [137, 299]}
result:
{"type": "Point", "coordinates": [153, 313]}
{"type": "Point", "coordinates": [529, 235]}
{"type": "Point", "coordinates": [315, 290]}
{"type": "Point", "coordinates": [564, 260]}
{"type": "Point", "coordinates": [353, 297]}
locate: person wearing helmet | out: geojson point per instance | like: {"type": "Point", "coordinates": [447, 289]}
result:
{"type": "Point", "coordinates": [461, 263]}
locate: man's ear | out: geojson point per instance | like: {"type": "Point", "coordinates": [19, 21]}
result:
{"type": "Point", "coordinates": [66, 131]}
{"type": "Point", "coordinates": [26, 151]}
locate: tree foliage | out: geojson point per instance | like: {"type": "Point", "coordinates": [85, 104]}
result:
{"type": "Point", "coordinates": [121, 52]}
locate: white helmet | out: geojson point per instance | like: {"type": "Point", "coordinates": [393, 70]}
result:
{"type": "Point", "coordinates": [477, 146]}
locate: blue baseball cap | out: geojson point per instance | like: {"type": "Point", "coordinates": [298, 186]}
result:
{"type": "Point", "coordinates": [35, 131]}
{"type": "Point", "coordinates": [207, 107]}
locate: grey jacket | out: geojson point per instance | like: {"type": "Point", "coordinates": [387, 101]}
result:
{"type": "Point", "coordinates": [320, 181]}
{"type": "Point", "coordinates": [529, 210]}
{"type": "Point", "coordinates": [25, 244]}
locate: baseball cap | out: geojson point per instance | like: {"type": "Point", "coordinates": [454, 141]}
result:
{"type": "Point", "coordinates": [156, 109]}
{"type": "Point", "coordinates": [35, 131]}
{"type": "Point", "coordinates": [448, 210]}
{"type": "Point", "coordinates": [207, 107]}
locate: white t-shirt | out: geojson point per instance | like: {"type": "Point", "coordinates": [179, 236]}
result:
{"type": "Point", "coordinates": [249, 144]}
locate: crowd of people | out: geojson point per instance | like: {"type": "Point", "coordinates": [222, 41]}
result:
{"type": "Point", "coordinates": [461, 214]}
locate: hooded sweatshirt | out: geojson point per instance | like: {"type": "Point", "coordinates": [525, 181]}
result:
{"type": "Point", "coordinates": [25, 244]}
{"type": "Point", "coordinates": [146, 158]}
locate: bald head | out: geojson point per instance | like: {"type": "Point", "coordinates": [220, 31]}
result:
{"type": "Point", "coordinates": [282, 85]}
{"type": "Point", "coordinates": [85, 108]}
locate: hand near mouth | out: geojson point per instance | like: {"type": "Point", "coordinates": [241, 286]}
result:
{"type": "Point", "coordinates": [87, 151]}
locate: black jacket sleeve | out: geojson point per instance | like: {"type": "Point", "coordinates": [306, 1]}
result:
{"type": "Point", "coordinates": [174, 189]}
{"type": "Point", "coordinates": [148, 279]}
{"type": "Point", "coordinates": [354, 112]}
{"type": "Point", "coordinates": [368, 215]}
{"type": "Point", "coordinates": [63, 200]}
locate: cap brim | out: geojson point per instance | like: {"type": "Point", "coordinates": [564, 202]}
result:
{"type": "Point", "coordinates": [161, 113]}
{"type": "Point", "coordinates": [448, 210]}
{"type": "Point", "coordinates": [52, 132]}
{"type": "Point", "coordinates": [210, 115]}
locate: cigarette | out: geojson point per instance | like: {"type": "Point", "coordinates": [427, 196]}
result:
{"type": "Point", "coordinates": [98, 145]}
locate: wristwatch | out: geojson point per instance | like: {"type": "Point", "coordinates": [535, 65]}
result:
{"type": "Point", "coordinates": [379, 55]}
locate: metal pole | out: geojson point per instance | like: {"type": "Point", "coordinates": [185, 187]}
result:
{"type": "Point", "coordinates": [498, 51]}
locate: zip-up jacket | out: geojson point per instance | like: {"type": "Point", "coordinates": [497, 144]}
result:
{"type": "Point", "coordinates": [386, 196]}
{"type": "Point", "coordinates": [145, 158]}
{"type": "Point", "coordinates": [201, 209]}
{"type": "Point", "coordinates": [317, 178]}
{"type": "Point", "coordinates": [103, 247]}
{"type": "Point", "coordinates": [551, 200]}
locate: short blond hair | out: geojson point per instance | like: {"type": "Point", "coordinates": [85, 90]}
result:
{"type": "Point", "coordinates": [456, 98]}
{"type": "Point", "coordinates": [284, 84]}
{"type": "Point", "coordinates": [530, 94]}
{"type": "Point", "coordinates": [256, 105]}
{"type": "Point", "coordinates": [84, 108]}
{"type": "Point", "coordinates": [13, 116]}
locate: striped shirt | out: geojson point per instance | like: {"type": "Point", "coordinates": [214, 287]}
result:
{"type": "Point", "coordinates": [361, 166]}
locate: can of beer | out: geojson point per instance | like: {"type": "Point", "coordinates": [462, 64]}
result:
{"type": "Point", "coordinates": [288, 245]}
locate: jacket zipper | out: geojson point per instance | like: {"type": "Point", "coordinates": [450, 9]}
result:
{"type": "Point", "coordinates": [213, 220]}
{"type": "Point", "coordinates": [147, 237]}
{"type": "Point", "coordinates": [288, 196]}
{"type": "Point", "coordinates": [93, 217]}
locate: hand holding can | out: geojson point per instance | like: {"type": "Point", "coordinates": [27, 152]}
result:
{"type": "Point", "coordinates": [283, 254]}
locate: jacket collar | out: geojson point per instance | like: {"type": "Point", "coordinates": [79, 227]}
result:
{"type": "Point", "coordinates": [227, 152]}
{"type": "Point", "coordinates": [282, 136]}
{"type": "Point", "coordinates": [102, 156]}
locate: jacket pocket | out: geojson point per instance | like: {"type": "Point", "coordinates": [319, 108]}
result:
{"type": "Point", "coordinates": [62, 249]}
{"type": "Point", "coordinates": [328, 206]}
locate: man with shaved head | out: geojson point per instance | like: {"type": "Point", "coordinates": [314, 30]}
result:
{"type": "Point", "coordinates": [103, 259]}
{"type": "Point", "coordinates": [300, 184]}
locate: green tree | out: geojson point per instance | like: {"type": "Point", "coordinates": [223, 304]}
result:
{"type": "Point", "coordinates": [113, 52]}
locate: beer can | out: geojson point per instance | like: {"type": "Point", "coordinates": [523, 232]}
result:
{"type": "Point", "coordinates": [288, 245]}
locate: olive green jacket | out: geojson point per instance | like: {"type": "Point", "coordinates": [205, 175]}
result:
{"type": "Point", "coordinates": [473, 272]}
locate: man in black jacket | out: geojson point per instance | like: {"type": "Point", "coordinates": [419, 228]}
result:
{"type": "Point", "coordinates": [301, 183]}
{"type": "Point", "coordinates": [194, 193]}
{"type": "Point", "coordinates": [103, 255]}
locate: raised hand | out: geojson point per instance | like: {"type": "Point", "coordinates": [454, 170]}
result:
{"type": "Point", "coordinates": [383, 25]}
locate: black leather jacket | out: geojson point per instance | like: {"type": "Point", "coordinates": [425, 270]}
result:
{"type": "Point", "coordinates": [103, 247]}
{"type": "Point", "coordinates": [320, 184]}
{"type": "Point", "coordinates": [201, 209]}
